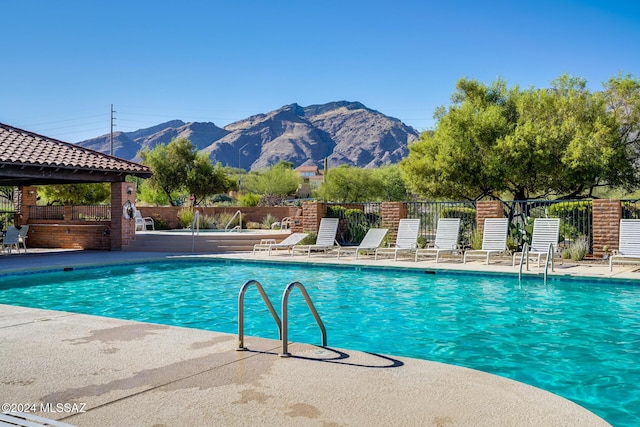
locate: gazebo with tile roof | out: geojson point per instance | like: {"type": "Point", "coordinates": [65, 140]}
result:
{"type": "Point", "coordinates": [28, 159]}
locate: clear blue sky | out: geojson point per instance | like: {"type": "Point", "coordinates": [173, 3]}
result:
{"type": "Point", "coordinates": [63, 63]}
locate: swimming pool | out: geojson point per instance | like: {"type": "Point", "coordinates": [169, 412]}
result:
{"type": "Point", "coordinates": [578, 339]}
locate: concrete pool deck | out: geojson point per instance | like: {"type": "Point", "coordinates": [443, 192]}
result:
{"type": "Point", "coordinates": [129, 373]}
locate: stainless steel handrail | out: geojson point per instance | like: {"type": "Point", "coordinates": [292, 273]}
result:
{"type": "Point", "coordinates": [238, 212]}
{"type": "Point", "coordinates": [525, 255]}
{"type": "Point", "coordinates": [195, 224]}
{"type": "Point", "coordinates": [285, 316]}
{"type": "Point", "coordinates": [266, 300]}
{"type": "Point", "coordinates": [546, 264]}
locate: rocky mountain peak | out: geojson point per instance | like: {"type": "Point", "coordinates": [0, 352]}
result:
{"type": "Point", "coordinates": [343, 131]}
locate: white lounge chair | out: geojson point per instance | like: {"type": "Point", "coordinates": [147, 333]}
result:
{"type": "Point", "coordinates": [326, 239]}
{"type": "Point", "coordinates": [629, 244]}
{"type": "Point", "coordinates": [143, 222]}
{"type": "Point", "coordinates": [370, 242]}
{"type": "Point", "coordinates": [494, 239]}
{"type": "Point", "coordinates": [546, 232]}
{"type": "Point", "coordinates": [291, 240]}
{"type": "Point", "coordinates": [11, 240]}
{"type": "Point", "coordinates": [22, 236]}
{"type": "Point", "coordinates": [446, 239]}
{"type": "Point", "coordinates": [406, 240]}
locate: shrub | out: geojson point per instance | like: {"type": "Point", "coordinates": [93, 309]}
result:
{"type": "Point", "coordinates": [222, 219]}
{"type": "Point", "coordinates": [578, 248]}
{"type": "Point", "coordinates": [221, 199]}
{"type": "Point", "coordinates": [249, 199]}
{"type": "Point", "coordinates": [311, 238]}
{"type": "Point", "coordinates": [252, 225]}
{"type": "Point", "coordinates": [476, 239]}
{"type": "Point", "coordinates": [271, 200]}
{"type": "Point", "coordinates": [160, 224]}
{"type": "Point", "coordinates": [268, 221]}
{"type": "Point", "coordinates": [185, 217]}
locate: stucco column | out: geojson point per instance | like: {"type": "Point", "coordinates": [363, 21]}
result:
{"type": "Point", "coordinates": [122, 230]}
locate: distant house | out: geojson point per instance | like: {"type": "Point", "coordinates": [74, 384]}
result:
{"type": "Point", "coordinates": [312, 178]}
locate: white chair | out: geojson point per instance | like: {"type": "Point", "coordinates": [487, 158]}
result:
{"type": "Point", "coordinates": [11, 240]}
{"type": "Point", "coordinates": [494, 239]}
{"type": "Point", "coordinates": [446, 239]}
{"type": "Point", "coordinates": [370, 242]}
{"type": "Point", "coordinates": [143, 223]}
{"type": "Point", "coordinates": [326, 239]}
{"type": "Point", "coordinates": [629, 243]}
{"type": "Point", "coordinates": [406, 240]}
{"type": "Point", "coordinates": [288, 243]}
{"type": "Point", "coordinates": [546, 232]}
{"type": "Point", "coordinates": [22, 236]}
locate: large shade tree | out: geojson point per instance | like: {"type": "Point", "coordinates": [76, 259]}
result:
{"type": "Point", "coordinates": [558, 142]}
{"type": "Point", "coordinates": [179, 167]}
{"type": "Point", "coordinates": [277, 180]}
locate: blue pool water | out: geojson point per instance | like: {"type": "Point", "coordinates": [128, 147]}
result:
{"type": "Point", "coordinates": [578, 339]}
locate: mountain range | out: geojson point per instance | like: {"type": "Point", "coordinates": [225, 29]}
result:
{"type": "Point", "coordinates": [346, 133]}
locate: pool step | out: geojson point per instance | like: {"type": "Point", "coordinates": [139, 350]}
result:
{"type": "Point", "coordinates": [205, 242]}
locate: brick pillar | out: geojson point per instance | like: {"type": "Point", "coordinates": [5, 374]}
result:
{"type": "Point", "coordinates": [297, 220]}
{"type": "Point", "coordinates": [122, 230]}
{"type": "Point", "coordinates": [488, 209]}
{"type": "Point", "coordinates": [392, 213]}
{"type": "Point", "coordinates": [606, 225]}
{"type": "Point", "coordinates": [312, 213]}
{"type": "Point", "coordinates": [28, 197]}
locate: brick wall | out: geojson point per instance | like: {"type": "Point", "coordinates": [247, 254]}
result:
{"type": "Point", "coordinates": [392, 213]}
{"type": "Point", "coordinates": [606, 225]}
{"type": "Point", "coordinates": [488, 209]}
{"type": "Point", "coordinates": [70, 236]}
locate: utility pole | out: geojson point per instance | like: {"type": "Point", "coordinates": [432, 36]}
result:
{"type": "Point", "coordinates": [111, 133]}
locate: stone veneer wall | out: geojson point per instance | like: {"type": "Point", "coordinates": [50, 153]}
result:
{"type": "Point", "coordinates": [606, 225]}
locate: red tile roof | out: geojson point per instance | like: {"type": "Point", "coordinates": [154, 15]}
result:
{"type": "Point", "coordinates": [21, 147]}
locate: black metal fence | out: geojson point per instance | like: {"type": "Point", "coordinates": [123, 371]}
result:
{"type": "Point", "coordinates": [46, 212]}
{"type": "Point", "coordinates": [7, 210]}
{"type": "Point", "coordinates": [630, 209]}
{"type": "Point", "coordinates": [91, 213]}
{"type": "Point", "coordinates": [576, 219]}
{"type": "Point", "coordinates": [355, 219]}
{"type": "Point", "coordinates": [430, 212]}
{"type": "Point", "coordinates": [78, 213]}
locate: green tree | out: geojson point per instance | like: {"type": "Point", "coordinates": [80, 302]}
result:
{"type": "Point", "coordinates": [204, 179]}
{"type": "Point", "coordinates": [348, 184]}
{"type": "Point", "coordinates": [492, 140]}
{"type": "Point", "coordinates": [179, 167]}
{"type": "Point", "coordinates": [392, 186]}
{"type": "Point", "coordinates": [75, 194]}
{"type": "Point", "coordinates": [278, 180]}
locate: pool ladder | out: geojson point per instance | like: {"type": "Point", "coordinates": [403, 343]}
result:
{"type": "Point", "coordinates": [283, 326]}
{"type": "Point", "coordinates": [525, 256]}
